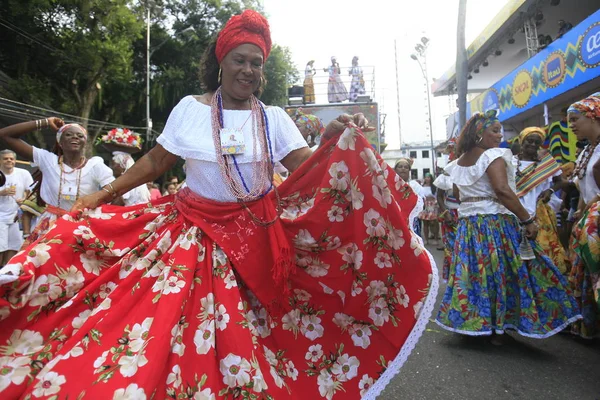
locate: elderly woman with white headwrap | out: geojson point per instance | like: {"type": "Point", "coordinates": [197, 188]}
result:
{"type": "Point", "coordinates": [67, 174]}
{"type": "Point", "coordinates": [120, 163]}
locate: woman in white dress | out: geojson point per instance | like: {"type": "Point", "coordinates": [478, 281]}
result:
{"type": "Point", "coordinates": [67, 174]}
{"type": "Point", "coordinates": [336, 90]}
{"type": "Point", "coordinates": [492, 285]}
{"type": "Point", "coordinates": [357, 85]}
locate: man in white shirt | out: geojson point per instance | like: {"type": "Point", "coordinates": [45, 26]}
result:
{"type": "Point", "coordinates": [12, 194]}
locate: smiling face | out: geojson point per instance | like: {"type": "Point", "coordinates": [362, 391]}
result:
{"type": "Point", "coordinates": [73, 140]}
{"type": "Point", "coordinates": [241, 72]}
{"type": "Point", "coordinates": [492, 136]}
{"type": "Point", "coordinates": [582, 126]}
{"type": "Point", "coordinates": [531, 145]}
{"type": "Point", "coordinates": [402, 168]}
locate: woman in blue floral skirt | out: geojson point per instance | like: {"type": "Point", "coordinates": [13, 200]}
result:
{"type": "Point", "coordinates": [498, 278]}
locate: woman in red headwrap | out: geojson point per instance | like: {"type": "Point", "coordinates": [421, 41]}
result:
{"type": "Point", "coordinates": [584, 120]}
{"type": "Point", "coordinates": [230, 288]}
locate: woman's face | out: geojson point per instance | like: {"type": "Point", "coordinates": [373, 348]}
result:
{"type": "Point", "coordinates": [73, 140]}
{"type": "Point", "coordinates": [582, 126]}
{"type": "Point", "coordinates": [492, 136]}
{"type": "Point", "coordinates": [241, 71]}
{"type": "Point", "coordinates": [403, 170]}
{"type": "Point", "coordinates": [531, 145]}
{"type": "Point", "coordinates": [172, 188]}
{"type": "Point", "coordinates": [427, 180]}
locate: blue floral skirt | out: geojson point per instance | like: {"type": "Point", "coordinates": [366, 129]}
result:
{"type": "Point", "coordinates": [491, 289]}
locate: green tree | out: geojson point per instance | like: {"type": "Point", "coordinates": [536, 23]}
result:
{"type": "Point", "coordinates": [280, 73]}
{"type": "Point", "coordinates": [78, 47]}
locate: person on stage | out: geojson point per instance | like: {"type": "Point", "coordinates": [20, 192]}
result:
{"type": "Point", "coordinates": [336, 90]}
{"type": "Point", "coordinates": [584, 120]}
{"type": "Point", "coordinates": [12, 194]}
{"type": "Point", "coordinates": [309, 84]}
{"type": "Point", "coordinates": [230, 288]}
{"type": "Point", "coordinates": [537, 181]}
{"type": "Point", "coordinates": [495, 285]}
{"type": "Point", "coordinates": [357, 85]}
{"type": "Point", "coordinates": [66, 173]}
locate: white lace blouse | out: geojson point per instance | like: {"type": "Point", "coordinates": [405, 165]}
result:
{"type": "Point", "coordinates": [188, 134]}
{"type": "Point", "coordinates": [444, 182]}
{"type": "Point", "coordinates": [587, 186]}
{"type": "Point", "coordinates": [473, 182]}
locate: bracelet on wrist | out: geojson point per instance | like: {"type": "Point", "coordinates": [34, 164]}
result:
{"type": "Point", "coordinates": [528, 221]}
{"type": "Point", "coordinates": [114, 192]}
{"type": "Point", "coordinates": [108, 191]}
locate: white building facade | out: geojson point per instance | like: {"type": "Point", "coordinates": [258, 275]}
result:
{"type": "Point", "coordinates": [421, 154]}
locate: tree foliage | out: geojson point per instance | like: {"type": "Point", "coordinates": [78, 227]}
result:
{"type": "Point", "coordinates": [88, 57]}
{"type": "Point", "coordinates": [280, 73]}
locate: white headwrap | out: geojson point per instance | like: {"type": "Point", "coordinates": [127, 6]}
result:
{"type": "Point", "coordinates": [123, 160]}
{"type": "Point", "coordinates": [68, 126]}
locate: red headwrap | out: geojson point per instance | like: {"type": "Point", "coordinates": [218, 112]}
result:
{"type": "Point", "coordinates": [249, 27]}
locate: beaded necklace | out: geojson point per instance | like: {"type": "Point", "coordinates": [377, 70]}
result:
{"type": "Point", "coordinates": [262, 170]}
{"type": "Point", "coordinates": [581, 167]}
{"type": "Point", "coordinates": [63, 172]}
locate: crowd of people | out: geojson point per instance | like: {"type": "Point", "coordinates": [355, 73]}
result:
{"type": "Point", "coordinates": [520, 231]}
{"type": "Point", "coordinates": [289, 266]}
{"type": "Point", "coordinates": [29, 204]}
{"type": "Point", "coordinates": [234, 284]}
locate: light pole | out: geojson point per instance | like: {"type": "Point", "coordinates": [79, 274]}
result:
{"type": "Point", "coordinates": [421, 49]}
{"type": "Point", "coordinates": [398, 95]}
{"type": "Point", "coordinates": [149, 53]}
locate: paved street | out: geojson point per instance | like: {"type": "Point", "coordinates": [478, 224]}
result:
{"type": "Point", "coordinates": [451, 366]}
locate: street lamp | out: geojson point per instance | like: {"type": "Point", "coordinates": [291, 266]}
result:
{"type": "Point", "coordinates": [149, 53]}
{"type": "Point", "coordinates": [421, 54]}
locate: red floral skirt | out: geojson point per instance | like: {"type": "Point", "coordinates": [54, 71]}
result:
{"type": "Point", "coordinates": [151, 302]}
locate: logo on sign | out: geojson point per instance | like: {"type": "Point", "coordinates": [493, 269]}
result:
{"type": "Point", "coordinates": [490, 100]}
{"type": "Point", "coordinates": [554, 69]}
{"type": "Point", "coordinates": [522, 89]}
{"type": "Point", "coordinates": [589, 46]}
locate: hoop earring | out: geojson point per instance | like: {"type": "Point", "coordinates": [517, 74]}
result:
{"type": "Point", "coordinates": [219, 77]}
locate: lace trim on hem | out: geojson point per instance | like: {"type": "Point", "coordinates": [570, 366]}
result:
{"type": "Point", "coordinates": [514, 328]}
{"type": "Point", "coordinates": [485, 215]}
{"type": "Point", "coordinates": [410, 343]}
{"type": "Point", "coordinates": [414, 214]}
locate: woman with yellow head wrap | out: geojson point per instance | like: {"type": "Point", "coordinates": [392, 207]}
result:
{"type": "Point", "coordinates": [537, 178]}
